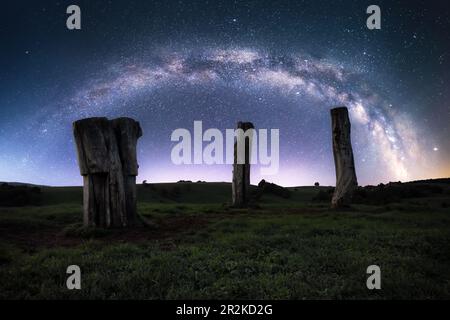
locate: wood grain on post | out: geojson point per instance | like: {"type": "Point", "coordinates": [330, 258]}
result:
{"type": "Point", "coordinates": [128, 132]}
{"type": "Point", "coordinates": [107, 159]}
{"type": "Point", "coordinates": [241, 171]}
{"type": "Point", "coordinates": [346, 182]}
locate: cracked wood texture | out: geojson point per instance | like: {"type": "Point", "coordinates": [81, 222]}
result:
{"type": "Point", "coordinates": [346, 181]}
{"type": "Point", "coordinates": [107, 159]}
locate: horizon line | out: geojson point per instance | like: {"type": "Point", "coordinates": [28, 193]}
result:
{"type": "Point", "coordinates": [230, 182]}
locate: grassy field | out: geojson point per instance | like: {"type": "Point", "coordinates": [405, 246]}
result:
{"type": "Point", "coordinates": [199, 248]}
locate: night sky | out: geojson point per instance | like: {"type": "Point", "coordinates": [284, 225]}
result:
{"type": "Point", "coordinates": [278, 64]}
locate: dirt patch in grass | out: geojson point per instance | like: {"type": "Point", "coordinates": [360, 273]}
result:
{"type": "Point", "coordinates": [169, 229]}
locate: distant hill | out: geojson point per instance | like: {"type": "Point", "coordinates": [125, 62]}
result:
{"type": "Point", "coordinates": [440, 180]}
{"type": "Point", "coordinates": [181, 182]}
{"type": "Point", "coordinates": [19, 184]}
{"type": "Point", "coordinates": [17, 193]}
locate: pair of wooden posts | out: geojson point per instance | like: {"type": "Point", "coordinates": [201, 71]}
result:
{"type": "Point", "coordinates": [108, 164]}
{"type": "Point", "coordinates": [346, 181]}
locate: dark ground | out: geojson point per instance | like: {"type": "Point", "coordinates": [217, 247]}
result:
{"type": "Point", "coordinates": [199, 248]}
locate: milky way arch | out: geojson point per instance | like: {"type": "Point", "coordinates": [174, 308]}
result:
{"type": "Point", "coordinates": [385, 142]}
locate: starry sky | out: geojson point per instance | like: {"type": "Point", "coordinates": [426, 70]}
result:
{"type": "Point", "coordinates": [278, 64]}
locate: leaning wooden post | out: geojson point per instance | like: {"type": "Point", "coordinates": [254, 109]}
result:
{"type": "Point", "coordinates": [241, 166]}
{"type": "Point", "coordinates": [107, 160]}
{"type": "Point", "coordinates": [346, 181]}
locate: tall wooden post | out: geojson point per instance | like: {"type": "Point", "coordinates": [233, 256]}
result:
{"type": "Point", "coordinates": [107, 159]}
{"type": "Point", "coordinates": [346, 181]}
{"type": "Point", "coordinates": [241, 166]}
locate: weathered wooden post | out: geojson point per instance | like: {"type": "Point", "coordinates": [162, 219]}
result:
{"type": "Point", "coordinates": [241, 166]}
{"type": "Point", "coordinates": [107, 160]}
{"type": "Point", "coordinates": [127, 133]}
{"type": "Point", "coordinates": [346, 181]}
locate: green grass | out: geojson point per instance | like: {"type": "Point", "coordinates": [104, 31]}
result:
{"type": "Point", "coordinates": [201, 249]}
